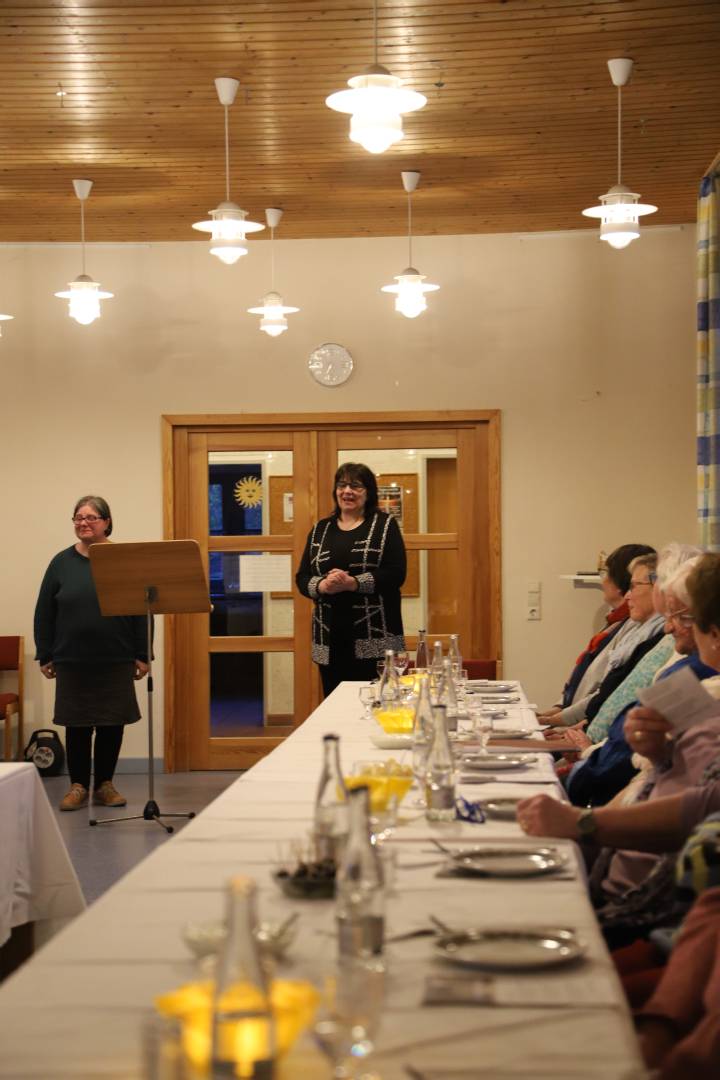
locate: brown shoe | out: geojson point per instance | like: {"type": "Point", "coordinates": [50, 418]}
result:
{"type": "Point", "coordinates": [107, 795]}
{"type": "Point", "coordinates": [76, 797]}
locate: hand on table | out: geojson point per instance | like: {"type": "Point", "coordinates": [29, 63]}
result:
{"type": "Point", "coordinates": [48, 670]}
{"type": "Point", "coordinates": [647, 733]}
{"type": "Point", "coordinates": [542, 815]}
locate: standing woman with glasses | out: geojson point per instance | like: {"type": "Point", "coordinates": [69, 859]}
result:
{"type": "Point", "coordinates": [93, 658]}
{"type": "Point", "coordinates": [353, 566]}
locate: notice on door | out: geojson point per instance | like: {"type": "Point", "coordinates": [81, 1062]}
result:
{"type": "Point", "coordinates": [265, 573]}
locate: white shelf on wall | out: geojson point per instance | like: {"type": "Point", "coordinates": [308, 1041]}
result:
{"type": "Point", "coordinates": [582, 581]}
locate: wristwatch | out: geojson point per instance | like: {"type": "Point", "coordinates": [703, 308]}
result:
{"type": "Point", "coordinates": [586, 824]}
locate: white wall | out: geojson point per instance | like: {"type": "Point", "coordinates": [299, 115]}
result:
{"type": "Point", "coordinates": [588, 352]}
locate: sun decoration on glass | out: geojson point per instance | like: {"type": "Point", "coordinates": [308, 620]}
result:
{"type": "Point", "coordinates": [84, 294]}
{"type": "Point", "coordinates": [228, 224]}
{"type": "Point", "coordinates": [376, 102]}
{"type": "Point", "coordinates": [248, 491]}
{"type": "Point", "coordinates": [411, 288]}
{"type": "Point", "coordinates": [272, 309]}
{"type": "Point", "coordinates": [619, 208]}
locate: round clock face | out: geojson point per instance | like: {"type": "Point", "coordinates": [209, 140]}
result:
{"type": "Point", "coordinates": [330, 364]}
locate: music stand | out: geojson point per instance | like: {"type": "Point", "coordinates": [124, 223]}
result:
{"type": "Point", "coordinates": [161, 577]}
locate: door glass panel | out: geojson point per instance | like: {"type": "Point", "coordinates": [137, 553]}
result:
{"type": "Point", "coordinates": [251, 593]}
{"type": "Point", "coordinates": [433, 605]}
{"type": "Point", "coordinates": [250, 492]}
{"type": "Point", "coordinates": [419, 487]}
{"type": "Point", "coordinates": [251, 694]}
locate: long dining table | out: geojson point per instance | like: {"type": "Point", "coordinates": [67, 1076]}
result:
{"type": "Point", "coordinates": [91, 989]}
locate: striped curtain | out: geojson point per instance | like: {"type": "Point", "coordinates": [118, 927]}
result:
{"type": "Point", "coordinates": [708, 361]}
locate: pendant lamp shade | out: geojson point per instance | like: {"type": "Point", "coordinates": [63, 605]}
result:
{"type": "Point", "coordinates": [620, 209]}
{"type": "Point", "coordinates": [5, 318]}
{"type": "Point", "coordinates": [376, 102]}
{"type": "Point", "coordinates": [228, 225]}
{"type": "Point", "coordinates": [83, 294]}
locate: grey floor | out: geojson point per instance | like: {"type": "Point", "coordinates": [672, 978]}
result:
{"type": "Point", "coordinates": [103, 854]}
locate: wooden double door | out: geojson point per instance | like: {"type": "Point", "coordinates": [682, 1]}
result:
{"type": "Point", "coordinates": [248, 489]}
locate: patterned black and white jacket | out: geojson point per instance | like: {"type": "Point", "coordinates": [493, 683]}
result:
{"type": "Point", "coordinates": [374, 553]}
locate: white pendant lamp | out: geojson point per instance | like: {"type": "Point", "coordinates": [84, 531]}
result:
{"type": "Point", "coordinates": [619, 209]}
{"type": "Point", "coordinates": [272, 309]}
{"type": "Point", "coordinates": [376, 103]}
{"type": "Point", "coordinates": [228, 224]}
{"type": "Point", "coordinates": [5, 318]}
{"type": "Point", "coordinates": [84, 294]}
{"type": "Point", "coordinates": [411, 288]}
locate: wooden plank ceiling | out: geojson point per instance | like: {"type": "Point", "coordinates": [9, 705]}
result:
{"type": "Point", "coordinates": [518, 133]}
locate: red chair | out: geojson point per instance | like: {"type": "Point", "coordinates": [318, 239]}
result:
{"type": "Point", "coordinates": [12, 651]}
{"type": "Point", "coordinates": [481, 669]}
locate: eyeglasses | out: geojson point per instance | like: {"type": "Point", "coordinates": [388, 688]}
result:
{"type": "Point", "coordinates": [680, 616]}
{"type": "Point", "coordinates": [347, 484]}
{"type": "Point", "coordinates": [90, 519]}
{"type": "Point", "coordinates": [637, 584]}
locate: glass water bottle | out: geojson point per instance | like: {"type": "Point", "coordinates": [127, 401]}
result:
{"type": "Point", "coordinates": [359, 889]}
{"type": "Point", "coordinates": [436, 666]}
{"type": "Point", "coordinates": [422, 734]}
{"type": "Point", "coordinates": [455, 655]}
{"type": "Point", "coordinates": [440, 773]}
{"type": "Point", "coordinates": [421, 653]}
{"type": "Point", "coordinates": [331, 806]}
{"type": "Point", "coordinates": [445, 695]}
{"type": "Point", "coordinates": [243, 1031]}
{"type": "Point", "coordinates": [389, 691]}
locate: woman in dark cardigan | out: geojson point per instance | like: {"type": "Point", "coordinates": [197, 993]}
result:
{"type": "Point", "coordinates": [93, 657]}
{"type": "Point", "coordinates": [353, 566]}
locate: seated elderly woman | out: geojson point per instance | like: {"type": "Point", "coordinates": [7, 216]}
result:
{"type": "Point", "coordinates": [641, 633]}
{"type": "Point", "coordinates": [632, 876]}
{"type": "Point", "coordinates": [610, 766]}
{"type": "Point", "coordinates": [591, 664]}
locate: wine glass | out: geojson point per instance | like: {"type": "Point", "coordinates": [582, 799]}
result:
{"type": "Point", "coordinates": [402, 659]}
{"type": "Point", "coordinates": [350, 1016]}
{"type": "Point", "coordinates": [367, 697]}
{"type": "Point", "coordinates": [483, 727]}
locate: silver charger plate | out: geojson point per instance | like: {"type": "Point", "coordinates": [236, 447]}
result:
{"type": "Point", "coordinates": [510, 950]}
{"type": "Point", "coordinates": [495, 761]}
{"type": "Point", "coordinates": [509, 862]}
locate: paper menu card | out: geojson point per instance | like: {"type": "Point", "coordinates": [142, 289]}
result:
{"type": "Point", "coordinates": [681, 700]}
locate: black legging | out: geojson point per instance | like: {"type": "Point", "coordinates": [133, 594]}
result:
{"type": "Point", "coordinates": [108, 740]}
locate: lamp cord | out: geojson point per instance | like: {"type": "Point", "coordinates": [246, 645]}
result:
{"type": "Point", "coordinates": [375, 33]}
{"type": "Point", "coordinates": [227, 158]}
{"type": "Point", "coordinates": [82, 232]}
{"type": "Point", "coordinates": [619, 90]}
{"type": "Point", "coordinates": [409, 199]}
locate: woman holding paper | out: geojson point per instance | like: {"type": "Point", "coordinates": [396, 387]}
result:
{"type": "Point", "coordinates": [93, 658]}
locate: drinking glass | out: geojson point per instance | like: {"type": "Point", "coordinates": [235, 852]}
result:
{"type": "Point", "coordinates": [402, 659]}
{"type": "Point", "coordinates": [484, 727]}
{"type": "Point", "coordinates": [349, 1018]}
{"type": "Point", "coordinates": [367, 698]}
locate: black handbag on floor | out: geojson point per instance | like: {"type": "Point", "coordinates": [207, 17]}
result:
{"type": "Point", "coordinates": [46, 752]}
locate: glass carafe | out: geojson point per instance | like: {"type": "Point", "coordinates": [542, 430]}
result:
{"type": "Point", "coordinates": [421, 653]}
{"type": "Point", "coordinates": [331, 805]}
{"type": "Point", "coordinates": [359, 889]}
{"type": "Point", "coordinates": [243, 1031]}
{"type": "Point", "coordinates": [440, 773]}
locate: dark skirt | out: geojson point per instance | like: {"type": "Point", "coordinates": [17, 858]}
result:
{"type": "Point", "coordinates": [95, 695]}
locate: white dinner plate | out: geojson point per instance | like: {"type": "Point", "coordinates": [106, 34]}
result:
{"type": "Point", "coordinates": [507, 862]}
{"type": "Point", "coordinates": [495, 761]}
{"type": "Point", "coordinates": [392, 742]}
{"type": "Point", "coordinates": [512, 733]}
{"type": "Point", "coordinates": [510, 950]}
{"type": "Point", "coordinates": [489, 687]}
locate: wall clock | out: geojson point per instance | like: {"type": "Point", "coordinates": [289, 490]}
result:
{"type": "Point", "coordinates": [330, 364]}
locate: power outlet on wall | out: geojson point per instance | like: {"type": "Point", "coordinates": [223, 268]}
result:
{"type": "Point", "coordinates": [534, 610]}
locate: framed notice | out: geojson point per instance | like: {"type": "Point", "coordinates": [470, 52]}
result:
{"type": "Point", "coordinates": [398, 496]}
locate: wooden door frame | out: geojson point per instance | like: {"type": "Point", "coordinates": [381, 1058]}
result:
{"type": "Point", "coordinates": [175, 431]}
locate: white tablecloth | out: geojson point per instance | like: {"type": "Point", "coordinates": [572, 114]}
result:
{"type": "Point", "coordinates": [96, 981]}
{"type": "Point", "coordinates": [37, 880]}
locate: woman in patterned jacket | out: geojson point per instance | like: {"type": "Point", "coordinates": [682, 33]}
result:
{"type": "Point", "coordinates": [352, 568]}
